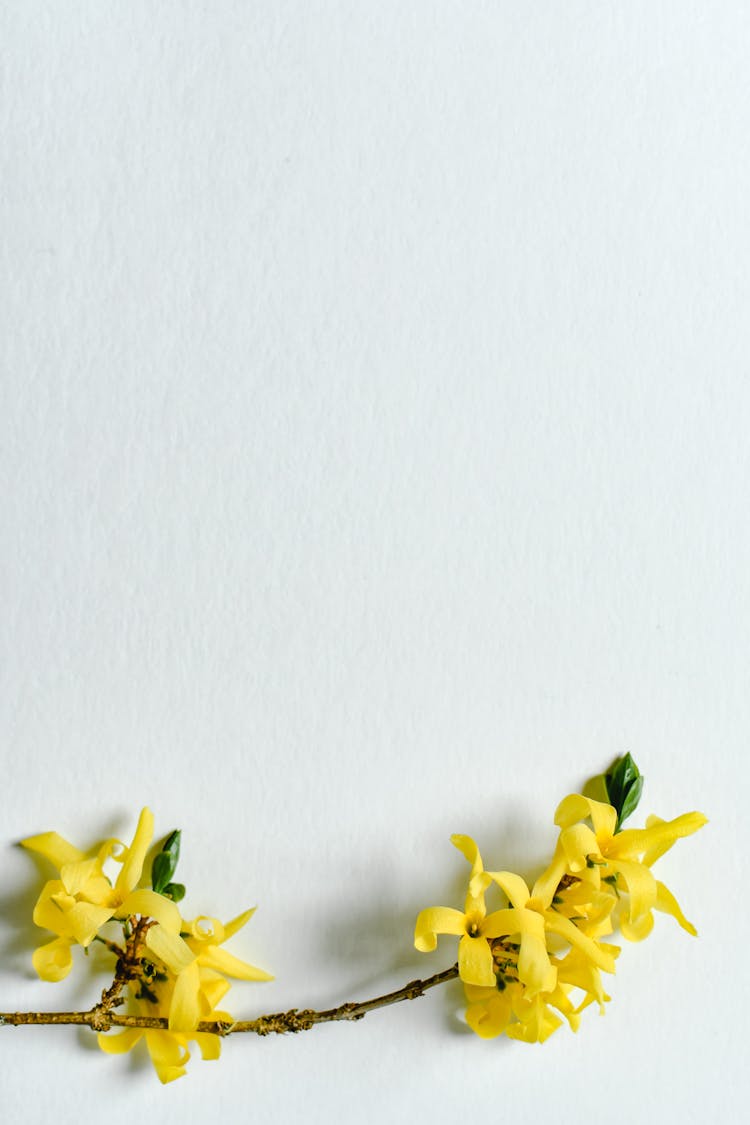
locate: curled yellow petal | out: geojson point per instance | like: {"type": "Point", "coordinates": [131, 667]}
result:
{"type": "Point", "coordinates": [117, 1043]}
{"type": "Point", "coordinates": [576, 807]}
{"type": "Point", "coordinates": [53, 961]}
{"type": "Point", "coordinates": [513, 886]}
{"type": "Point", "coordinates": [168, 1054]}
{"type": "Point", "coordinates": [208, 1045]}
{"type": "Point", "coordinates": [641, 885]}
{"type": "Point", "coordinates": [437, 920]}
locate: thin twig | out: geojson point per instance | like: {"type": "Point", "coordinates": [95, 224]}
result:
{"type": "Point", "coordinates": [278, 1023]}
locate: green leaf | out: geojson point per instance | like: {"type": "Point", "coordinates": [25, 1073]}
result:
{"type": "Point", "coordinates": [175, 891]}
{"type": "Point", "coordinates": [165, 863]}
{"type": "Point", "coordinates": [624, 784]}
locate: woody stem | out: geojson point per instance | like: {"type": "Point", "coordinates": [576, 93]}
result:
{"type": "Point", "coordinates": [101, 1018]}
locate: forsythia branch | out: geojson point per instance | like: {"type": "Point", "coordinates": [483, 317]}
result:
{"type": "Point", "coordinates": [100, 1018]}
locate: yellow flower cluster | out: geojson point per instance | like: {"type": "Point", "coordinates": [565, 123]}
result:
{"type": "Point", "coordinates": [174, 968]}
{"type": "Point", "coordinates": [538, 959]}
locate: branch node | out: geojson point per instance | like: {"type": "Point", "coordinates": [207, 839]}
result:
{"type": "Point", "coordinates": [100, 1020]}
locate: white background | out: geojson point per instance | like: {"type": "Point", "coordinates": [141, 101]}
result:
{"type": "Point", "coordinates": [375, 466]}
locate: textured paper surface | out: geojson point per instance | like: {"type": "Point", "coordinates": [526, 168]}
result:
{"type": "Point", "coordinates": [375, 466]}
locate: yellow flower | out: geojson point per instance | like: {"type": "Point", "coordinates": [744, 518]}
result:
{"type": "Point", "coordinates": [532, 916]}
{"type": "Point", "coordinates": [76, 906]}
{"type": "Point", "coordinates": [197, 963]}
{"type": "Point", "coordinates": [623, 858]}
{"type": "Point", "coordinates": [474, 926]}
{"type": "Point", "coordinates": [168, 1049]}
{"type": "Point", "coordinates": [190, 994]}
{"type": "Point", "coordinates": [515, 1014]}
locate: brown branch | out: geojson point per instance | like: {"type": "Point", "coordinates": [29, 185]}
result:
{"type": "Point", "coordinates": [101, 1019]}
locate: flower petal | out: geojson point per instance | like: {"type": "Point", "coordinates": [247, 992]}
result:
{"type": "Point", "coordinates": [641, 885]}
{"type": "Point", "coordinates": [578, 842]}
{"type": "Point", "coordinates": [53, 961]}
{"type": "Point", "coordinates": [85, 920]}
{"type": "Point", "coordinates": [475, 965]}
{"type": "Point", "coordinates": [49, 913]}
{"type": "Point", "coordinates": [208, 1045]}
{"type": "Point", "coordinates": [151, 905]}
{"type": "Point", "coordinates": [513, 885]}
{"type": "Point", "coordinates": [117, 1043]}
{"type": "Point", "coordinates": [656, 839]}
{"type": "Point", "coordinates": [54, 848]}
{"type": "Point", "coordinates": [168, 1054]}
{"type": "Point", "coordinates": [546, 885]}
{"type": "Point", "coordinates": [490, 1018]}
{"type": "Point", "coordinates": [75, 876]}
{"type": "Point", "coordinates": [535, 970]}
{"type": "Point", "coordinates": [231, 928]}
{"type": "Point", "coordinates": [576, 807]}
{"type": "Point", "coordinates": [668, 904]}
{"type": "Point", "coordinates": [638, 930]}
{"type": "Point", "coordinates": [502, 923]}
{"type": "Point", "coordinates": [437, 920]}
{"type": "Point", "coordinates": [568, 930]}
{"type": "Point", "coordinates": [214, 957]}
{"type": "Point", "coordinates": [213, 986]}
{"type": "Point", "coordinates": [185, 1009]}
{"type": "Point", "coordinates": [169, 948]}
{"type": "Point", "coordinates": [131, 869]}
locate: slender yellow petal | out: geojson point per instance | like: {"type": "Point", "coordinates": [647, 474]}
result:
{"type": "Point", "coordinates": [576, 807]}
{"type": "Point", "coordinates": [641, 885]}
{"type": "Point", "coordinates": [168, 1054]}
{"type": "Point", "coordinates": [169, 948]}
{"type": "Point", "coordinates": [475, 961]}
{"type": "Point", "coordinates": [213, 986]}
{"type": "Point", "coordinates": [214, 957]}
{"type": "Point", "coordinates": [534, 967]}
{"type": "Point", "coordinates": [469, 849]}
{"type": "Point", "coordinates": [151, 905]}
{"type": "Point", "coordinates": [208, 1045]}
{"type": "Point", "coordinates": [185, 1009]}
{"type": "Point", "coordinates": [131, 870]}
{"type": "Point", "coordinates": [578, 842]}
{"type": "Point", "coordinates": [53, 961]}
{"type": "Point", "coordinates": [639, 929]}
{"type": "Point", "coordinates": [658, 838]}
{"type": "Point", "coordinates": [546, 885]}
{"type": "Point", "coordinates": [117, 1043]}
{"type": "Point", "coordinates": [668, 904]}
{"type": "Point", "coordinates": [513, 886]}
{"type": "Point", "coordinates": [437, 920]}
{"type": "Point", "coordinates": [600, 956]}
{"type": "Point", "coordinates": [233, 927]}
{"type": "Point", "coordinates": [54, 848]}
